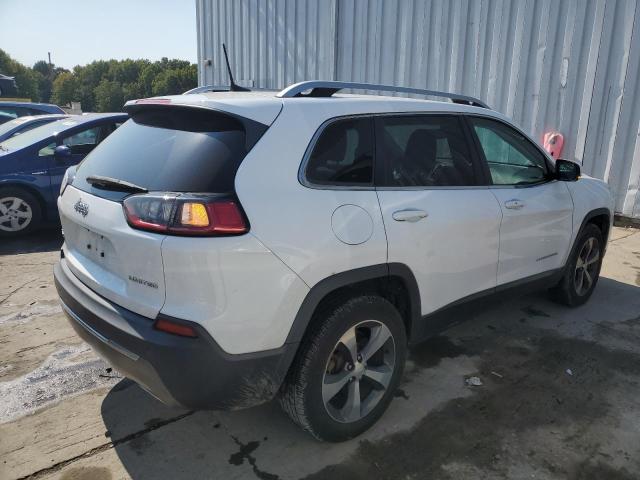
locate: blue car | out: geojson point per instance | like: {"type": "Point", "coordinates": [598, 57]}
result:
{"type": "Point", "coordinates": [10, 110]}
{"type": "Point", "coordinates": [23, 124]}
{"type": "Point", "coordinates": [33, 164]}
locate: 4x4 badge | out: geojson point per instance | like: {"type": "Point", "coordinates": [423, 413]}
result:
{"type": "Point", "coordinates": [81, 207]}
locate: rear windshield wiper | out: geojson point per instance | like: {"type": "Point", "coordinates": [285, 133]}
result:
{"type": "Point", "coordinates": [114, 184]}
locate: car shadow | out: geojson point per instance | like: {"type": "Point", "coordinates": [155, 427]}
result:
{"type": "Point", "coordinates": [155, 441]}
{"type": "Point", "coordinates": [152, 440]}
{"type": "Point", "coordinates": [44, 240]}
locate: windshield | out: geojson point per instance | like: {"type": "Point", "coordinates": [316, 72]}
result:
{"type": "Point", "coordinates": [40, 133]}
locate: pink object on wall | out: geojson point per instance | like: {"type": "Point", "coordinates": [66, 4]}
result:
{"type": "Point", "coordinates": [553, 143]}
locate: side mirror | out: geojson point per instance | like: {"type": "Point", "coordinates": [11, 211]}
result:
{"type": "Point", "coordinates": [567, 171]}
{"type": "Point", "coordinates": [62, 151]}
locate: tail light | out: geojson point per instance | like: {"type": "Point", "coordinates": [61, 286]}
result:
{"type": "Point", "coordinates": [183, 214]}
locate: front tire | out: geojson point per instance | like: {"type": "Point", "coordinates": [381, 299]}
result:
{"type": "Point", "coordinates": [347, 369]}
{"type": "Point", "coordinates": [582, 270]}
{"type": "Point", "coordinates": [20, 212]}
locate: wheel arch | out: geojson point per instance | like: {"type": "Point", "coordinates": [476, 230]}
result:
{"type": "Point", "coordinates": [392, 281]}
{"type": "Point", "coordinates": [31, 190]}
{"type": "Point", "coordinates": [601, 217]}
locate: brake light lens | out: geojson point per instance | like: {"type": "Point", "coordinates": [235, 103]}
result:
{"type": "Point", "coordinates": [153, 101]}
{"type": "Point", "coordinates": [179, 214]}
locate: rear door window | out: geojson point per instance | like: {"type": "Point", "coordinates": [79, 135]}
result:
{"type": "Point", "coordinates": [343, 154]}
{"type": "Point", "coordinates": [170, 150]}
{"type": "Point", "coordinates": [424, 151]}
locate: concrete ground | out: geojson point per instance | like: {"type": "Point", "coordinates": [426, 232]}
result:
{"type": "Point", "coordinates": [559, 397]}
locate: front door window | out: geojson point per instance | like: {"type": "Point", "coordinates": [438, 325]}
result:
{"type": "Point", "coordinates": [511, 158]}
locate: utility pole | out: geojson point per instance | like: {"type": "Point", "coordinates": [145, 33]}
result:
{"type": "Point", "coordinates": [50, 67]}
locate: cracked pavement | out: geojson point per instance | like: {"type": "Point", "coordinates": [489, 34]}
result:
{"type": "Point", "coordinates": [558, 400]}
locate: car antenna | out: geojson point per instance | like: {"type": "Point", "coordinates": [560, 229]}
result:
{"type": "Point", "coordinates": [232, 85]}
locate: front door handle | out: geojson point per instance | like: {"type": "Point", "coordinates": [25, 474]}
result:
{"type": "Point", "coordinates": [514, 204]}
{"type": "Point", "coordinates": [409, 215]}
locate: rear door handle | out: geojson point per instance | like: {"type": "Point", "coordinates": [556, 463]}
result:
{"type": "Point", "coordinates": [409, 215]}
{"type": "Point", "coordinates": [514, 204]}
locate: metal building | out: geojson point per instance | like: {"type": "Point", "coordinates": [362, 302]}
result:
{"type": "Point", "coordinates": [566, 65]}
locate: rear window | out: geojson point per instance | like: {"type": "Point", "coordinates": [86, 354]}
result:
{"type": "Point", "coordinates": [171, 150]}
{"type": "Point", "coordinates": [343, 154]}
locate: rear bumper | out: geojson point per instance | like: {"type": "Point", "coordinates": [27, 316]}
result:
{"type": "Point", "coordinates": [194, 373]}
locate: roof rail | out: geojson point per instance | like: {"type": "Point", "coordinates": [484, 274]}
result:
{"type": "Point", "coordinates": [224, 88]}
{"type": "Point", "coordinates": [208, 88]}
{"type": "Point", "coordinates": [322, 88]}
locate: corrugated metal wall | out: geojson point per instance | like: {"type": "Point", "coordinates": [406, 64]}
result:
{"type": "Point", "coordinates": [566, 65]}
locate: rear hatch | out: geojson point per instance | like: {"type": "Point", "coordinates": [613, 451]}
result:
{"type": "Point", "coordinates": [116, 261]}
{"type": "Point", "coordinates": [163, 151]}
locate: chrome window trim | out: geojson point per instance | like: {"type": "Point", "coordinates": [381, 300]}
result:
{"type": "Point", "coordinates": [549, 162]}
{"type": "Point", "coordinates": [315, 186]}
{"type": "Point", "coordinates": [305, 159]}
{"type": "Point", "coordinates": [302, 178]}
{"type": "Point", "coordinates": [419, 189]}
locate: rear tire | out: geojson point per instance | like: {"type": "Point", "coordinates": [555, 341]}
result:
{"type": "Point", "coordinates": [20, 212]}
{"type": "Point", "coordinates": [582, 270]}
{"type": "Point", "coordinates": [347, 369]}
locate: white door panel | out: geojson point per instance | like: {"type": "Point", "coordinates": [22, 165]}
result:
{"type": "Point", "coordinates": [448, 237]}
{"type": "Point", "coordinates": [536, 230]}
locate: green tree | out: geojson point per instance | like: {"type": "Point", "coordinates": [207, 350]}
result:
{"type": "Point", "coordinates": [148, 73]}
{"type": "Point", "coordinates": [109, 96]}
{"type": "Point", "coordinates": [175, 81]}
{"type": "Point", "coordinates": [65, 89]}
{"type": "Point", "coordinates": [102, 85]}
{"type": "Point", "coordinates": [26, 78]}
{"type": "Point", "coordinates": [43, 68]}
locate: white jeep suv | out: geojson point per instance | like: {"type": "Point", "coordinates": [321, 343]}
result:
{"type": "Point", "coordinates": [225, 248]}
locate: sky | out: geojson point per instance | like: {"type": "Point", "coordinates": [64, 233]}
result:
{"type": "Point", "coordinates": [76, 32]}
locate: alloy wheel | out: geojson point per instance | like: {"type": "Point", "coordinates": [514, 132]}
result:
{"type": "Point", "coordinates": [358, 371]}
{"type": "Point", "coordinates": [15, 214]}
{"type": "Point", "coordinates": [586, 266]}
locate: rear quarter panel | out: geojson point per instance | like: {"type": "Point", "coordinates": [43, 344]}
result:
{"type": "Point", "coordinates": [235, 287]}
{"type": "Point", "coordinates": [295, 221]}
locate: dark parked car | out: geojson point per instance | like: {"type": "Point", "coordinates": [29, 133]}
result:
{"type": "Point", "coordinates": [23, 124]}
{"type": "Point", "coordinates": [10, 110]}
{"type": "Point", "coordinates": [8, 86]}
{"type": "Point", "coordinates": [33, 164]}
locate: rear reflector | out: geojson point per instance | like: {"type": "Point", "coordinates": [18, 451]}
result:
{"type": "Point", "coordinates": [185, 214]}
{"type": "Point", "coordinates": [175, 328]}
